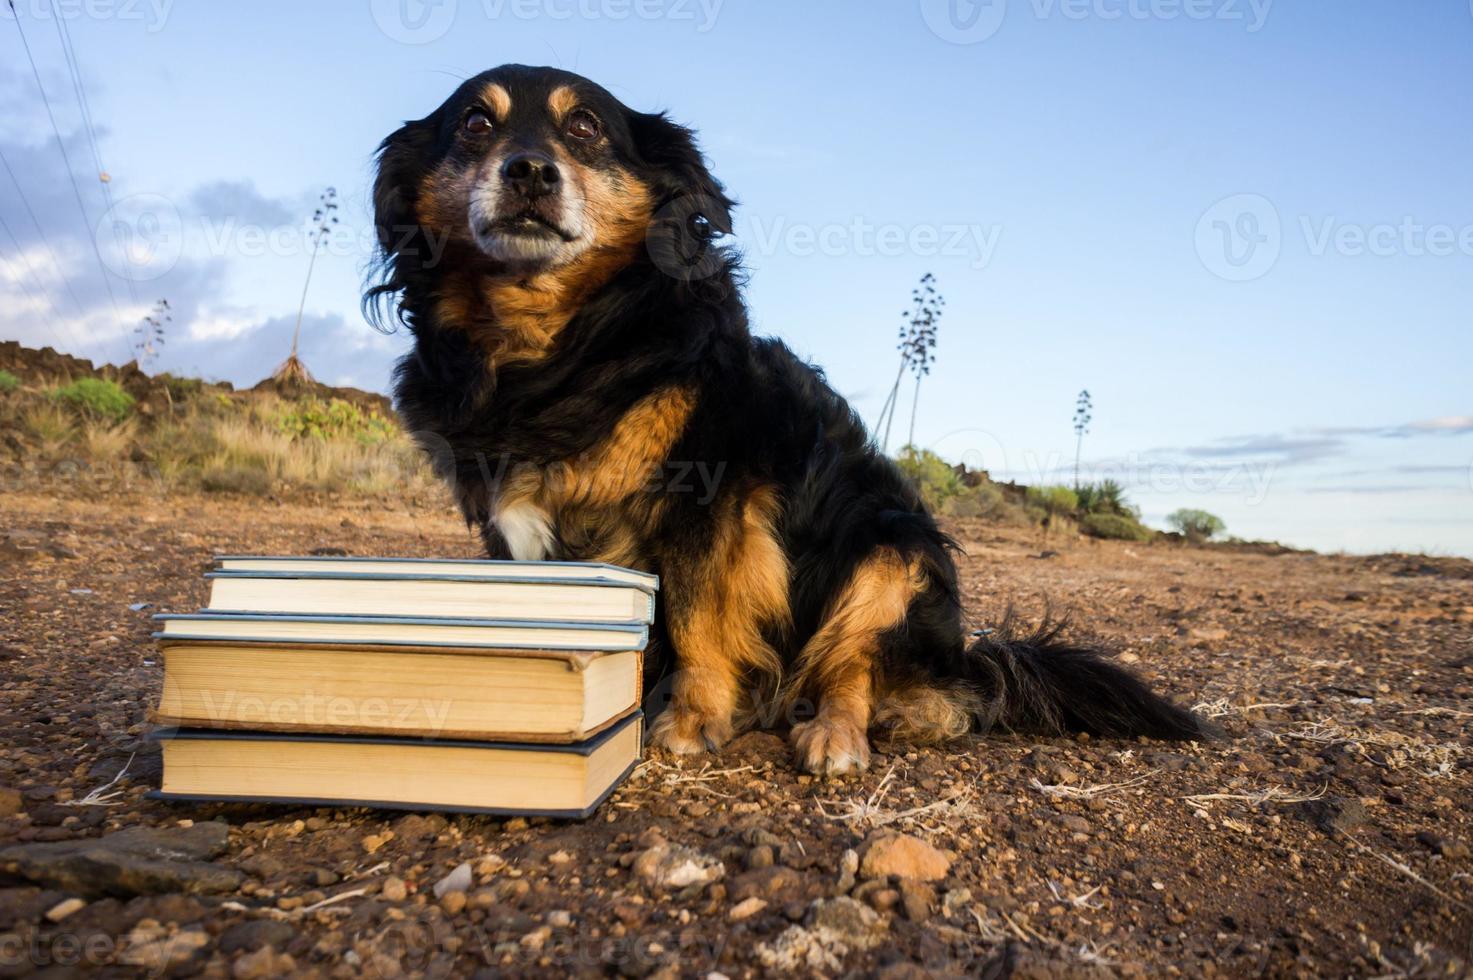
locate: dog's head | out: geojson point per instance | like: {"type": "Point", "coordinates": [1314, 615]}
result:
{"type": "Point", "coordinates": [536, 174]}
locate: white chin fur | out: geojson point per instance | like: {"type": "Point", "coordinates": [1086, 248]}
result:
{"type": "Point", "coordinates": [533, 249]}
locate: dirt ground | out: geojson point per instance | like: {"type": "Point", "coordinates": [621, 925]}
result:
{"type": "Point", "coordinates": [1327, 834]}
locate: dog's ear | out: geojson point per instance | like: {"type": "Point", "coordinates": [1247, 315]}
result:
{"type": "Point", "coordinates": [402, 163]}
{"type": "Point", "coordinates": [671, 150]}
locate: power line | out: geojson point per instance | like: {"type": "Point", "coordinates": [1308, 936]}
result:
{"type": "Point", "coordinates": [43, 308]}
{"type": "Point", "coordinates": [71, 175]}
{"type": "Point", "coordinates": [74, 67]}
{"type": "Point", "coordinates": [46, 239]}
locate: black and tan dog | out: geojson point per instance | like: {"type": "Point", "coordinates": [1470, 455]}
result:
{"type": "Point", "coordinates": [581, 348]}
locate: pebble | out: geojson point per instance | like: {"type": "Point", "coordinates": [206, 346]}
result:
{"type": "Point", "coordinates": [64, 908]}
{"type": "Point", "coordinates": [746, 908]}
{"type": "Point", "coordinates": [458, 880]}
{"type": "Point", "coordinates": [394, 889]}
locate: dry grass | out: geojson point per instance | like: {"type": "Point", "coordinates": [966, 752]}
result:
{"type": "Point", "coordinates": [1387, 749]}
{"type": "Point", "coordinates": [871, 813]}
{"type": "Point", "coordinates": [248, 443]}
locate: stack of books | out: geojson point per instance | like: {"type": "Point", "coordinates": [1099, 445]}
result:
{"type": "Point", "coordinates": [490, 686]}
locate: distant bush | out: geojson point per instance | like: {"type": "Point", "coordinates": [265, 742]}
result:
{"type": "Point", "coordinates": [932, 475]}
{"type": "Point", "coordinates": [313, 418]}
{"type": "Point", "coordinates": [1054, 500]}
{"type": "Point", "coordinates": [8, 382]}
{"type": "Point", "coordinates": [181, 389]}
{"type": "Point", "coordinates": [1196, 524]}
{"type": "Point", "coordinates": [1115, 527]}
{"type": "Point", "coordinates": [97, 398]}
{"type": "Point", "coordinates": [1105, 497]}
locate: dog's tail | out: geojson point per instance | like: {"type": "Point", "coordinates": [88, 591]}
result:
{"type": "Point", "coordinates": [1037, 682]}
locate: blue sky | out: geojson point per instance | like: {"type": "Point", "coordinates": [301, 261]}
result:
{"type": "Point", "coordinates": [1243, 226]}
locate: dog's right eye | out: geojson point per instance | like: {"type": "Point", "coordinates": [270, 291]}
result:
{"type": "Point", "coordinates": [478, 123]}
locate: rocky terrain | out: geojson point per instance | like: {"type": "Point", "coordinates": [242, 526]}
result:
{"type": "Point", "coordinates": [1327, 834]}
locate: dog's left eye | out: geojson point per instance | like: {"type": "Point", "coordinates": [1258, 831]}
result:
{"type": "Point", "coordinates": [478, 123]}
{"type": "Point", "coordinates": [583, 125]}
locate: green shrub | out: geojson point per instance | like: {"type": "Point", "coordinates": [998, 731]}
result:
{"type": "Point", "coordinates": [932, 475]}
{"type": "Point", "coordinates": [97, 398]}
{"type": "Point", "coordinates": [1196, 524]}
{"type": "Point", "coordinates": [1115, 527]}
{"type": "Point", "coordinates": [8, 382]}
{"type": "Point", "coordinates": [1105, 497]}
{"type": "Point", "coordinates": [181, 389]}
{"type": "Point", "coordinates": [1054, 500]}
{"type": "Point", "coordinates": [313, 418]}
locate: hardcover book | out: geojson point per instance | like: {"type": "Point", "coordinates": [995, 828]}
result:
{"type": "Point", "coordinates": [398, 773]}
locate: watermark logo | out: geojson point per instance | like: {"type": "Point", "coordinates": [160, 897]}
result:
{"type": "Point", "coordinates": [701, 13]}
{"type": "Point", "coordinates": [152, 13]}
{"type": "Point", "coordinates": [141, 237]}
{"type": "Point", "coordinates": [965, 21]}
{"type": "Point", "coordinates": [413, 21]}
{"type": "Point", "coordinates": [681, 242]}
{"type": "Point", "coordinates": [1240, 237]}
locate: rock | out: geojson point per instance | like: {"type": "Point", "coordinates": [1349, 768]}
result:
{"type": "Point", "coordinates": [264, 962]}
{"type": "Point", "coordinates": [254, 934]}
{"type": "Point", "coordinates": [903, 856]}
{"type": "Point", "coordinates": [151, 947]}
{"type": "Point", "coordinates": [1441, 845]}
{"type": "Point", "coordinates": [776, 884]}
{"type": "Point", "coordinates": [136, 861]}
{"type": "Point", "coordinates": [746, 909]}
{"type": "Point", "coordinates": [848, 921]}
{"type": "Point", "coordinates": [373, 842]}
{"type": "Point", "coordinates": [394, 889]}
{"type": "Point", "coordinates": [458, 880]}
{"type": "Point", "coordinates": [1335, 814]}
{"type": "Point", "coordinates": [488, 864]}
{"type": "Point", "coordinates": [675, 866]}
{"type": "Point", "coordinates": [11, 802]}
{"type": "Point", "coordinates": [453, 902]}
{"type": "Point", "coordinates": [915, 898]}
{"type": "Point", "coordinates": [848, 868]}
{"type": "Point", "coordinates": [65, 908]}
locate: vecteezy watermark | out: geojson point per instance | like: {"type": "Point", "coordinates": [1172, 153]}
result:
{"type": "Point", "coordinates": [424, 21]}
{"type": "Point", "coordinates": [311, 708]}
{"type": "Point", "coordinates": [151, 13]}
{"type": "Point", "coordinates": [1249, 479]}
{"type": "Point", "coordinates": [1241, 238]}
{"type": "Point", "coordinates": [973, 21]}
{"type": "Point", "coordinates": [682, 245]}
{"type": "Point", "coordinates": [964, 21]}
{"type": "Point", "coordinates": [413, 21]}
{"type": "Point", "coordinates": [141, 237]}
{"type": "Point", "coordinates": [1408, 237]}
{"type": "Point", "coordinates": [976, 243]}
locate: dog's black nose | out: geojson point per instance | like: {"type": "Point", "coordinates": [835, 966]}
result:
{"type": "Point", "coordinates": [530, 173]}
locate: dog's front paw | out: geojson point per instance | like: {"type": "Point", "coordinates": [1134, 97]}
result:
{"type": "Point", "coordinates": [830, 746]}
{"type": "Point", "coordinates": [687, 733]}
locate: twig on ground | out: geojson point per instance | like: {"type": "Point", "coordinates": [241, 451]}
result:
{"type": "Point", "coordinates": [100, 796]}
{"type": "Point", "coordinates": [1274, 794]}
{"type": "Point", "coordinates": [1392, 862]}
{"type": "Point", "coordinates": [1090, 792]}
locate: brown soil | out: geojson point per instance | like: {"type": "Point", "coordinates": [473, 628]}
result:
{"type": "Point", "coordinates": [1326, 835]}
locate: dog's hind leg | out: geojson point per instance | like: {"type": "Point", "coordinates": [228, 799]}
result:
{"type": "Point", "coordinates": [837, 667]}
{"type": "Point", "coordinates": [719, 602]}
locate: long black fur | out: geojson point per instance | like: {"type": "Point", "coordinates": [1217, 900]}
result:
{"type": "Point", "coordinates": [763, 415]}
